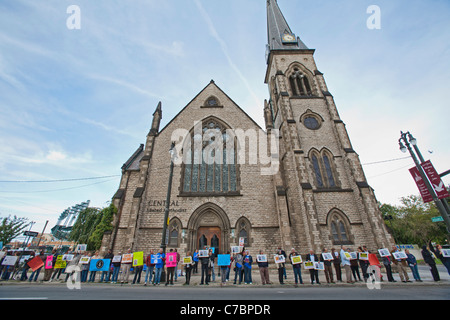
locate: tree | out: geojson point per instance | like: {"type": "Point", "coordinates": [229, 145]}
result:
{"type": "Point", "coordinates": [107, 217]}
{"type": "Point", "coordinates": [91, 224]}
{"type": "Point", "coordinates": [411, 221]}
{"type": "Point", "coordinates": [11, 228]}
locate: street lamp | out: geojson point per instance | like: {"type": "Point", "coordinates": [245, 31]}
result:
{"type": "Point", "coordinates": [172, 152]}
{"type": "Point", "coordinates": [405, 142]}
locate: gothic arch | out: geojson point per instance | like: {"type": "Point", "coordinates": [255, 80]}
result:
{"type": "Point", "coordinates": [324, 168]}
{"type": "Point", "coordinates": [243, 229]}
{"type": "Point", "coordinates": [174, 230]}
{"type": "Point", "coordinates": [208, 215]}
{"type": "Point", "coordinates": [301, 80]}
{"type": "Point", "coordinates": [339, 227]}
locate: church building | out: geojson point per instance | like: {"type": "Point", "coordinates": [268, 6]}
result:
{"type": "Point", "coordinates": [297, 183]}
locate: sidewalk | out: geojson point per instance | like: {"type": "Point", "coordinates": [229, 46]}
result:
{"type": "Point", "coordinates": [425, 275]}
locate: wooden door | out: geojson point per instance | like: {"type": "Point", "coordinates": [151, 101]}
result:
{"type": "Point", "coordinates": [209, 237]}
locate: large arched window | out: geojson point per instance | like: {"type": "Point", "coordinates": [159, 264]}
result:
{"type": "Point", "coordinates": [324, 170]}
{"type": "Point", "coordinates": [209, 164]}
{"type": "Point", "coordinates": [339, 228]}
{"type": "Point", "coordinates": [243, 231]}
{"type": "Point", "coordinates": [300, 85]}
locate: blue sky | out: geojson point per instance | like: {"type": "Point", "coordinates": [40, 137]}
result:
{"type": "Point", "coordinates": [78, 103]}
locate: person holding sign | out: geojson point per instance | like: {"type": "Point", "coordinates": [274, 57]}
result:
{"type": "Point", "coordinates": [327, 259]}
{"type": "Point", "coordinates": [127, 260]}
{"type": "Point", "coordinates": [188, 266]}
{"type": "Point", "coordinates": [263, 266]}
{"type": "Point", "coordinates": [238, 264]}
{"type": "Point", "coordinates": [296, 261]}
{"type": "Point", "coordinates": [150, 266]}
{"type": "Point", "coordinates": [159, 259]}
{"type": "Point", "coordinates": [401, 264]}
{"type": "Point", "coordinates": [116, 262]}
{"type": "Point", "coordinates": [314, 274]}
{"type": "Point", "coordinates": [345, 260]}
{"type": "Point", "coordinates": [248, 260]}
{"type": "Point", "coordinates": [171, 263]}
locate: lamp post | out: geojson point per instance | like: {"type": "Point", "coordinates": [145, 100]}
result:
{"type": "Point", "coordinates": [166, 209]}
{"type": "Point", "coordinates": [409, 140]}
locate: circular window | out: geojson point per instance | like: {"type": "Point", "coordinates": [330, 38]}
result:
{"type": "Point", "coordinates": [311, 123]}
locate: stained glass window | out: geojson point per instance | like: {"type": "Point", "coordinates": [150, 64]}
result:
{"type": "Point", "coordinates": [212, 169]}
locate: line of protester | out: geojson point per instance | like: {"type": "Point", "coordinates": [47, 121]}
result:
{"type": "Point", "coordinates": [117, 267]}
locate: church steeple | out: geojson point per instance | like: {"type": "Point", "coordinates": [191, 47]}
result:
{"type": "Point", "coordinates": [280, 36]}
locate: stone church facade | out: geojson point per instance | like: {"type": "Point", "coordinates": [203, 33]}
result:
{"type": "Point", "coordinates": [297, 183]}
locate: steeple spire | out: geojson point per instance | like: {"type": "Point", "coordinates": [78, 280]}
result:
{"type": "Point", "coordinates": [280, 36]}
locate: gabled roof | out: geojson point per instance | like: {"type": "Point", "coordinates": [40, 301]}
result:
{"type": "Point", "coordinates": [212, 83]}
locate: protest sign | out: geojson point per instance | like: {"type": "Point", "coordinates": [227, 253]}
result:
{"type": "Point", "coordinates": [309, 265]}
{"type": "Point", "coordinates": [261, 258]}
{"type": "Point", "coordinates": [99, 265]}
{"type": "Point", "coordinates": [224, 260]}
{"type": "Point", "coordinates": [84, 260]}
{"type": "Point", "coordinates": [363, 256]}
{"type": "Point", "coordinates": [127, 258]}
{"type": "Point", "coordinates": [296, 259]}
{"type": "Point", "coordinates": [327, 256]}
{"type": "Point", "coordinates": [202, 253]}
{"type": "Point", "coordinates": [319, 266]}
{"type": "Point", "coordinates": [9, 261]}
{"type": "Point", "coordinates": [171, 259]}
{"type": "Point", "coordinates": [138, 259]}
{"type": "Point", "coordinates": [279, 258]}
{"type": "Point", "coordinates": [60, 263]}
{"type": "Point", "coordinates": [35, 263]}
{"type": "Point", "coordinates": [384, 252]}
{"type": "Point", "coordinates": [398, 255]}
{"type": "Point", "coordinates": [49, 262]}
{"type": "Point", "coordinates": [187, 260]}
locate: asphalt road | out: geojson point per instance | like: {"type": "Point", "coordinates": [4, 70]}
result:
{"type": "Point", "coordinates": [96, 291]}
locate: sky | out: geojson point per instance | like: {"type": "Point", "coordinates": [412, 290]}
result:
{"type": "Point", "coordinates": [76, 103]}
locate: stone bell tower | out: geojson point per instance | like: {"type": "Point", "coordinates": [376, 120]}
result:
{"type": "Point", "coordinates": [323, 198]}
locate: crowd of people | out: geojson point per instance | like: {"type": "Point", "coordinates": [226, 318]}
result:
{"type": "Point", "coordinates": [334, 264]}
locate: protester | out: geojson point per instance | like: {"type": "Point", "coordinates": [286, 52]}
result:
{"type": "Point", "coordinates": [428, 258]}
{"type": "Point", "coordinates": [238, 265]}
{"type": "Point", "coordinates": [297, 268]}
{"type": "Point", "coordinates": [70, 268]}
{"type": "Point", "coordinates": [150, 267]}
{"type": "Point", "coordinates": [248, 260]}
{"type": "Point", "coordinates": [264, 269]}
{"type": "Point", "coordinates": [49, 269]}
{"type": "Point", "coordinates": [116, 268]}
{"type": "Point", "coordinates": [159, 265]}
{"type": "Point", "coordinates": [85, 268]}
{"type": "Point", "coordinates": [337, 264]}
{"type": "Point", "coordinates": [107, 274]}
{"type": "Point", "coordinates": [35, 273]}
{"type": "Point", "coordinates": [364, 264]}
{"type": "Point", "coordinates": [125, 266]}
{"type": "Point", "coordinates": [328, 267]}
{"type": "Point", "coordinates": [438, 253]}
{"type": "Point", "coordinates": [94, 273]}
{"type": "Point", "coordinates": [346, 264]}
{"type": "Point", "coordinates": [401, 264]}
{"type": "Point", "coordinates": [281, 266]}
{"type": "Point", "coordinates": [387, 265]}
{"type": "Point", "coordinates": [188, 270]}
{"type": "Point", "coordinates": [170, 272]}
{"type": "Point", "coordinates": [195, 259]}
{"type": "Point", "coordinates": [314, 274]}
{"type": "Point", "coordinates": [412, 263]}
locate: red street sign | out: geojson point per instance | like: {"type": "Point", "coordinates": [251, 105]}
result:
{"type": "Point", "coordinates": [435, 179]}
{"type": "Point", "coordinates": [426, 195]}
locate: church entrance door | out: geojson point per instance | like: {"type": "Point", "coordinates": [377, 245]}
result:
{"type": "Point", "coordinates": [209, 237]}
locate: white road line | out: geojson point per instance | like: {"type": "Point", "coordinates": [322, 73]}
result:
{"type": "Point", "coordinates": [37, 298]}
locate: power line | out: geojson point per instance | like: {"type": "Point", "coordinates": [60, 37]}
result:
{"type": "Point", "coordinates": [383, 161]}
{"type": "Point", "coordinates": [58, 180]}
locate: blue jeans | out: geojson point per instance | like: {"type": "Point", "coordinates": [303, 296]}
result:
{"type": "Point", "coordinates": [298, 275]}
{"type": "Point", "coordinates": [105, 273]}
{"type": "Point", "coordinates": [415, 271]}
{"type": "Point", "coordinates": [247, 274]}
{"type": "Point", "coordinates": [35, 274]}
{"type": "Point", "coordinates": [158, 275]}
{"type": "Point", "coordinates": [115, 274]}
{"type": "Point", "coordinates": [236, 273]}
{"type": "Point", "coordinates": [148, 273]}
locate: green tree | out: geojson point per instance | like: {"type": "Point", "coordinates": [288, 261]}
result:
{"type": "Point", "coordinates": [11, 228]}
{"type": "Point", "coordinates": [105, 224]}
{"type": "Point", "coordinates": [411, 221]}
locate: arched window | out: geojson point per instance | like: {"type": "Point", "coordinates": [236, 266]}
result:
{"type": "Point", "coordinates": [209, 165]}
{"type": "Point", "coordinates": [339, 229]}
{"type": "Point", "coordinates": [300, 85]}
{"type": "Point", "coordinates": [324, 170]}
{"type": "Point", "coordinates": [243, 231]}
{"type": "Point", "coordinates": [173, 234]}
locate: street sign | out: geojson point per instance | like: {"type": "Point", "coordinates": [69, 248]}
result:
{"type": "Point", "coordinates": [435, 180]}
{"type": "Point", "coordinates": [426, 195]}
{"type": "Point", "coordinates": [31, 233]}
{"type": "Point", "coordinates": [437, 219]}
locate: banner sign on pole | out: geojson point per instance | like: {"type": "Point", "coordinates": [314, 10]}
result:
{"type": "Point", "coordinates": [435, 179]}
{"type": "Point", "coordinates": [426, 195]}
